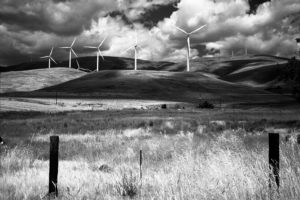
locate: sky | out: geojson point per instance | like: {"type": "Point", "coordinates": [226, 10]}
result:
{"type": "Point", "coordinates": [29, 28]}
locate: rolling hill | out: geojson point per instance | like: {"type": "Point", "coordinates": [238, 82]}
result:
{"type": "Point", "coordinates": [257, 75]}
{"type": "Point", "coordinates": [30, 80]}
{"type": "Point", "coordinates": [264, 72]}
{"type": "Point", "coordinates": [239, 79]}
{"type": "Point", "coordinates": [156, 85]}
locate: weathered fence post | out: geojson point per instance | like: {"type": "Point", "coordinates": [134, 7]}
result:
{"type": "Point", "coordinates": [141, 174]}
{"type": "Point", "coordinates": [141, 162]}
{"type": "Point", "coordinates": [274, 157]}
{"type": "Point", "coordinates": [53, 170]}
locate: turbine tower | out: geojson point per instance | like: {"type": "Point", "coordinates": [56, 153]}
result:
{"type": "Point", "coordinates": [98, 52]}
{"type": "Point", "coordinates": [188, 44]}
{"type": "Point", "coordinates": [298, 45]}
{"type": "Point", "coordinates": [49, 58]}
{"type": "Point", "coordinates": [71, 51]}
{"type": "Point", "coordinates": [136, 47]}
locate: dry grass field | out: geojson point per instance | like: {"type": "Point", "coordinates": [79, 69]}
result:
{"type": "Point", "coordinates": [30, 80]}
{"type": "Point", "coordinates": [62, 105]}
{"type": "Point", "coordinates": [187, 155]}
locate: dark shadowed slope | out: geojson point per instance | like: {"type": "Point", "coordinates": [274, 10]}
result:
{"type": "Point", "coordinates": [30, 80]}
{"type": "Point", "coordinates": [281, 76]}
{"type": "Point", "coordinates": [261, 75]}
{"type": "Point", "coordinates": [153, 85]}
{"type": "Point", "coordinates": [256, 71]}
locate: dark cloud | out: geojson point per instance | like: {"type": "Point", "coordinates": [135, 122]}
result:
{"type": "Point", "coordinates": [201, 48]}
{"type": "Point", "coordinates": [20, 21]}
{"type": "Point", "coordinates": [156, 13]}
{"type": "Point", "coordinates": [59, 17]}
{"type": "Point", "coordinates": [149, 17]}
{"type": "Point", "coordinates": [254, 5]}
{"type": "Point", "coordinates": [9, 53]}
{"type": "Point", "coordinates": [121, 15]}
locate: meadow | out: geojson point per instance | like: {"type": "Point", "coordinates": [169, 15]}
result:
{"type": "Point", "coordinates": [186, 155]}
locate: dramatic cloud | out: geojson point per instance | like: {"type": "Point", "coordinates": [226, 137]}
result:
{"type": "Point", "coordinates": [268, 31]}
{"type": "Point", "coordinates": [137, 9]}
{"type": "Point", "coordinates": [29, 28]}
{"type": "Point", "coordinates": [59, 17]}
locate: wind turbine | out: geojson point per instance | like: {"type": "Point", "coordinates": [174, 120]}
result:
{"type": "Point", "coordinates": [98, 52]}
{"type": "Point", "coordinates": [188, 44]}
{"type": "Point", "coordinates": [298, 45]}
{"type": "Point", "coordinates": [71, 51]}
{"type": "Point", "coordinates": [79, 68]}
{"type": "Point", "coordinates": [49, 58]}
{"type": "Point", "coordinates": [136, 47]}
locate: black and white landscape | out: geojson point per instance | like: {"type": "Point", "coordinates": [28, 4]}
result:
{"type": "Point", "coordinates": [150, 99]}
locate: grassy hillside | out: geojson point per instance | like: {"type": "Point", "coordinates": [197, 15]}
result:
{"type": "Point", "coordinates": [257, 75]}
{"type": "Point", "coordinates": [230, 79]}
{"type": "Point", "coordinates": [154, 85]}
{"type": "Point", "coordinates": [30, 80]}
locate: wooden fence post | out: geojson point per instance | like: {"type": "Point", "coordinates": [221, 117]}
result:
{"type": "Point", "coordinates": [274, 157]}
{"type": "Point", "coordinates": [141, 173]}
{"type": "Point", "coordinates": [141, 162]}
{"type": "Point", "coordinates": [53, 170]}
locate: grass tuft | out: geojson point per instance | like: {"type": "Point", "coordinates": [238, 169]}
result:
{"type": "Point", "coordinates": [128, 184]}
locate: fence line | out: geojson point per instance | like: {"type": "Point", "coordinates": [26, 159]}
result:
{"type": "Point", "coordinates": [274, 159]}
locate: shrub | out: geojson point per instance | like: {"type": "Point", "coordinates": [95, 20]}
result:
{"type": "Point", "coordinates": [128, 185]}
{"type": "Point", "coordinates": [206, 104]}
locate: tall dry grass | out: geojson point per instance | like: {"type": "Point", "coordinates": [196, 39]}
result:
{"type": "Point", "coordinates": [227, 164]}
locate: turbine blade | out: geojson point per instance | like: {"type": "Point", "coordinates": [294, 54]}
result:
{"type": "Point", "coordinates": [127, 49]}
{"type": "Point", "coordinates": [52, 60]}
{"type": "Point", "coordinates": [90, 47]}
{"type": "Point", "coordinates": [73, 42]}
{"type": "Point", "coordinates": [102, 42]}
{"type": "Point", "coordinates": [45, 57]}
{"type": "Point", "coordinates": [78, 66]}
{"type": "Point", "coordinates": [136, 38]}
{"type": "Point", "coordinates": [198, 29]}
{"type": "Point", "coordinates": [51, 51]}
{"type": "Point", "coordinates": [65, 47]}
{"type": "Point", "coordinates": [181, 30]}
{"type": "Point", "coordinates": [100, 54]}
{"type": "Point", "coordinates": [74, 52]}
